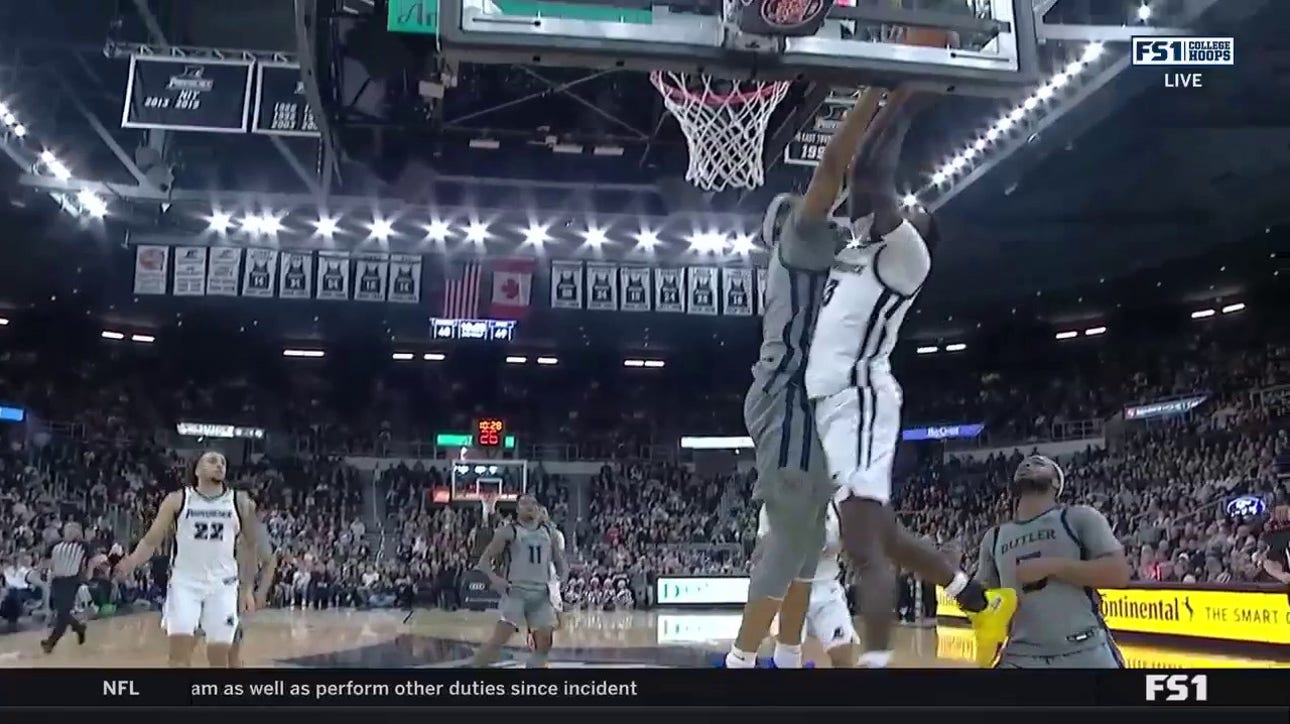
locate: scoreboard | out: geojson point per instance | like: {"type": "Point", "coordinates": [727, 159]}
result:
{"type": "Point", "coordinates": [495, 330]}
{"type": "Point", "coordinates": [490, 432]}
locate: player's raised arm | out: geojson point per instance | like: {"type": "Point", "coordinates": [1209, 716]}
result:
{"type": "Point", "coordinates": [162, 525]}
{"type": "Point", "coordinates": [831, 174]}
{"type": "Point", "coordinates": [1106, 565]}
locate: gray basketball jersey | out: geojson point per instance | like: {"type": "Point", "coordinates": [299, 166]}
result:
{"type": "Point", "coordinates": [528, 556]}
{"type": "Point", "coordinates": [795, 277]}
{"type": "Point", "coordinates": [1053, 617]}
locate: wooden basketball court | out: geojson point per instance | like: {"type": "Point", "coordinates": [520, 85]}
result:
{"type": "Point", "coordinates": [381, 639]}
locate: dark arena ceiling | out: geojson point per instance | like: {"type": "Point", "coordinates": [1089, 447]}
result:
{"type": "Point", "coordinates": [1128, 196]}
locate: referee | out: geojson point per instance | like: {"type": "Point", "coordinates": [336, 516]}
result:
{"type": "Point", "coordinates": [67, 560]}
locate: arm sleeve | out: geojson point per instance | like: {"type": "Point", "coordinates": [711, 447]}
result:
{"type": "Point", "coordinates": [1093, 531]}
{"type": "Point", "coordinates": [807, 244]}
{"type": "Point", "coordinates": [987, 570]}
{"type": "Point", "coordinates": [904, 262]}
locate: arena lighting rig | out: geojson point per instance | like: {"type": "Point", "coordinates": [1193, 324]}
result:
{"type": "Point", "coordinates": [84, 202]}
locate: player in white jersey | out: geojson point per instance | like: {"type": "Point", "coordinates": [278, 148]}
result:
{"type": "Point", "coordinates": [828, 620]}
{"type": "Point", "coordinates": [856, 399]}
{"type": "Point", "coordinates": [206, 520]}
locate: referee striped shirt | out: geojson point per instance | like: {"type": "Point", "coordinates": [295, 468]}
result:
{"type": "Point", "coordinates": [67, 558]}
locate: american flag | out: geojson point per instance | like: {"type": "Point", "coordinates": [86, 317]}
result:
{"type": "Point", "coordinates": [461, 290]}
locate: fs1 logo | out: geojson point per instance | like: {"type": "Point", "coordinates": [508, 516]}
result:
{"type": "Point", "coordinates": [1179, 50]}
{"type": "Point", "coordinates": [1177, 687]}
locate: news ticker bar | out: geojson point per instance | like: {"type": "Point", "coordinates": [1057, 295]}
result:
{"type": "Point", "coordinates": [638, 687]}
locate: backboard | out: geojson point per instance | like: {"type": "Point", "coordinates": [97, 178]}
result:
{"type": "Point", "coordinates": [849, 46]}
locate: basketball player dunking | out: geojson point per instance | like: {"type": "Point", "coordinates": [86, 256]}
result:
{"type": "Point", "coordinates": [207, 522]}
{"type": "Point", "coordinates": [531, 551]}
{"type": "Point", "coordinates": [856, 401]}
{"type": "Point", "coordinates": [1057, 556]}
{"type": "Point", "coordinates": [827, 618]}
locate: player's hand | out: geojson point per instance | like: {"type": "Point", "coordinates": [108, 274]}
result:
{"type": "Point", "coordinates": [1037, 569]}
{"type": "Point", "coordinates": [261, 598]}
{"type": "Point", "coordinates": [246, 602]}
{"type": "Point", "coordinates": [501, 586]}
{"type": "Point", "coordinates": [124, 568]}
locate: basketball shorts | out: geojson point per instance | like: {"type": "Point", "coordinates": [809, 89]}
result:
{"type": "Point", "coordinates": [556, 601]}
{"type": "Point", "coordinates": [209, 607]}
{"type": "Point", "coordinates": [1104, 655]}
{"type": "Point", "coordinates": [860, 428]}
{"type": "Point", "coordinates": [528, 608]}
{"type": "Point", "coordinates": [827, 618]}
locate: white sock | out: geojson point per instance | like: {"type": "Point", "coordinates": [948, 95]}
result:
{"type": "Point", "coordinates": [737, 659]}
{"type": "Point", "coordinates": [957, 585]}
{"type": "Point", "coordinates": [788, 657]}
{"type": "Point", "coordinates": [875, 659]}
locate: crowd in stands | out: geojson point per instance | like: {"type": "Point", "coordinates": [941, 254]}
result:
{"type": "Point", "coordinates": [98, 448]}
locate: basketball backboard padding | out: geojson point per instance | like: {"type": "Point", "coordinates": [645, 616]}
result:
{"type": "Point", "coordinates": [688, 36]}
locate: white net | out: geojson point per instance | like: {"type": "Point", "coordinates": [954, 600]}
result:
{"type": "Point", "coordinates": [724, 126]}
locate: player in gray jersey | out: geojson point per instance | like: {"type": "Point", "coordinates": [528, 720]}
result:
{"type": "Point", "coordinates": [1056, 556]}
{"type": "Point", "coordinates": [792, 482]}
{"type": "Point", "coordinates": [531, 549]}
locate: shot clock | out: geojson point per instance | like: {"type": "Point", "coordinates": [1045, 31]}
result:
{"type": "Point", "coordinates": [490, 432]}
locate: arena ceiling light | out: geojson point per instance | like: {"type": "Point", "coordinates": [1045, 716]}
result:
{"type": "Point", "coordinates": [54, 166]}
{"type": "Point", "coordinates": [92, 204]}
{"type": "Point", "coordinates": [1233, 308]}
{"type": "Point", "coordinates": [1144, 12]}
{"type": "Point", "coordinates": [633, 363]}
{"type": "Point", "coordinates": [477, 232]}
{"type": "Point", "coordinates": [326, 226]}
{"type": "Point", "coordinates": [401, 356]}
{"type": "Point", "coordinates": [654, 363]}
{"type": "Point", "coordinates": [1202, 314]}
{"type": "Point", "coordinates": [707, 242]}
{"type": "Point", "coordinates": [438, 230]}
{"type": "Point", "coordinates": [548, 361]}
{"type": "Point", "coordinates": [4, 321]}
{"type": "Point", "coordinates": [381, 229]}
{"type": "Point", "coordinates": [1094, 331]}
{"type": "Point", "coordinates": [928, 350]}
{"type": "Point", "coordinates": [262, 224]}
{"type": "Point", "coordinates": [109, 334]}
{"type": "Point", "coordinates": [304, 353]}
{"type": "Point", "coordinates": [595, 236]}
{"type": "Point", "coordinates": [143, 338]}
{"type": "Point", "coordinates": [1066, 335]}
{"type": "Point", "coordinates": [647, 239]}
{"type": "Point", "coordinates": [536, 234]}
{"type": "Point", "coordinates": [433, 357]}
{"type": "Point", "coordinates": [516, 360]}
{"type": "Point", "coordinates": [1035, 104]}
{"type": "Point", "coordinates": [219, 222]}
{"type": "Point", "coordinates": [956, 347]}
{"type": "Point", "coordinates": [743, 244]}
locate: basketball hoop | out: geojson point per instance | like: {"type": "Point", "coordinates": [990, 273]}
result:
{"type": "Point", "coordinates": [489, 504]}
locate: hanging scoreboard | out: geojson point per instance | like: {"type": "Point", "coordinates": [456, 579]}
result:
{"type": "Point", "coordinates": [490, 432]}
{"type": "Point", "coordinates": [188, 94]}
{"type": "Point", "coordinates": [281, 108]}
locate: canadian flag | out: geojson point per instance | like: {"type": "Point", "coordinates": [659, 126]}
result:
{"type": "Point", "coordinates": [512, 288]}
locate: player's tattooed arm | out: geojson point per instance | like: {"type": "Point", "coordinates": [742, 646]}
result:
{"type": "Point", "coordinates": [1105, 565]}
{"type": "Point", "coordinates": [987, 571]}
{"type": "Point", "coordinates": [501, 537]}
{"type": "Point", "coordinates": [162, 526]}
{"type": "Point", "coordinates": [835, 162]}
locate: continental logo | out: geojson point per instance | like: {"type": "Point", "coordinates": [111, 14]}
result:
{"type": "Point", "coordinates": [959, 646]}
{"type": "Point", "coordinates": [1123, 604]}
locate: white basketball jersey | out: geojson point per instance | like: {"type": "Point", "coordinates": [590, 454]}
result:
{"type": "Point", "coordinates": [859, 320]}
{"type": "Point", "coordinates": [206, 537]}
{"type": "Point", "coordinates": [828, 568]}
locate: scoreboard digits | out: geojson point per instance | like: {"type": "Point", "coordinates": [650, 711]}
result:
{"type": "Point", "coordinates": [490, 432]}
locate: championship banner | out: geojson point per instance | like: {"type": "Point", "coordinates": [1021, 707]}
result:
{"type": "Point", "coordinates": [668, 293]}
{"type": "Point", "coordinates": [281, 108]}
{"type": "Point", "coordinates": [296, 279]}
{"type": "Point", "coordinates": [405, 278]}
{"type": "Point", "coordinates": [150, 269]}
{"type": "Point", "coordinates": [807, 146]}
{"type": "Point", "coordinates": [190, 272]}
{"type": "Point", "coordinates": [635, 284]}
{"type": "Point", "coordinates": [701, 293]}
{"type": "Point", "coordinates": [602, 285]}
{"type": "Point", "coordinates": [736, 291]}
{"type": "Point", "coordinates": [257, 277]}
{"type": "Point", "coordinates": [222, 269]}
{"type": "Point", "coordinates": [371, 277]}
{"type": "Point", "coordinates": [566, 285]}
{"type": "Point", "coordinates": [188, 94]}
{"type": "Point", "coordinates": [333, 276]}
{"type": "Point", "coordinates": [761, 290]}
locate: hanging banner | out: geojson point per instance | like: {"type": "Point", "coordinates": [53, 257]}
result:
{"type": "Point", "coordinates": [296, 279]}
{"type": "Point", "coordinates": [761, 290]}
{"type": "Point", "coordinates": [602, 286]}
{"type": "Point", "coordinates": [405, 278]}
{"type": "Point", "coordinates": [190, 271]}
{"type": "Point", "coordinates": [333, 275]}
{"type": "Point", "coordinates": [261, 267]}
{"type": "Point", "coordinates": [668, 295]}
{"type": "Point", "coordinates": [150, 269]}
{"type": "Point", "coordinates": [566, 285]}
{"type": "Point", "coordinates": [736, 291]}
{"type": "Point", "coordinates": [372, 273]}
{"type": "Point", "coordinates": [702, 297]}
{"type": "Point", "coordinates": [635, 284]}
{"type": "Point", "coordinates": [222, 271]}
{"type": "Point", "coordinates": [281, 108]}
{"type": "Point", "coordinates": [188, 94]}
